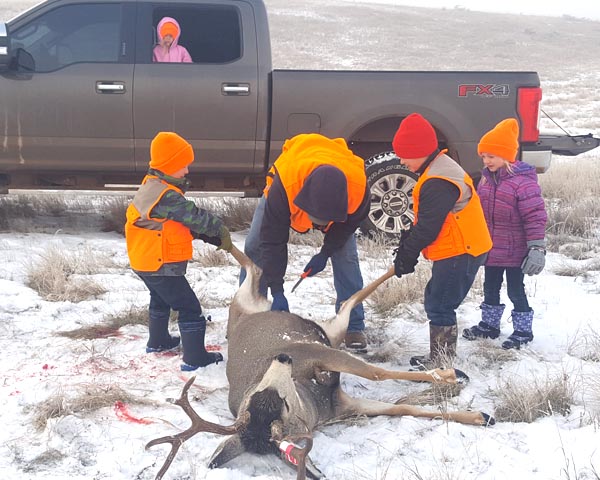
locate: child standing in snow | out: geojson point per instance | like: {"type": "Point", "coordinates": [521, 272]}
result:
{"type": "Point", "coordinates": [161, 224]}
{"type": "Point", "coordinates": [516, 218]}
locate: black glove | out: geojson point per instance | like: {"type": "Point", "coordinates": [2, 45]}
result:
{"type": "Point", "coordinates": [216, 241]}
{"type": "Point", "coordinates": [403, 262]}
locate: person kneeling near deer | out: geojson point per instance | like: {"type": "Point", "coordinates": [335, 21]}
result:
{"type": "Point", "coordinates": [161, 224]}
{"type": "Point", "coordinates": [316, 183]}
{"type": "Point", "coordinates": [449, 229]}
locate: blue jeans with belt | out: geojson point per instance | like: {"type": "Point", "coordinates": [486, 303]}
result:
{"type": "Point", "coordinates": [451, 280]}
{"type": "Point", "coordinates": [347, 277]}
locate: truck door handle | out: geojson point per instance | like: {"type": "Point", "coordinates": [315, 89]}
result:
{"type": "Point", "coordinates": [235, 89]}
{"type": "Point", "coordinates": [110, 87]}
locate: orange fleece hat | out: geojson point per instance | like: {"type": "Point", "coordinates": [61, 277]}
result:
{"type": "Point", "coordinates": [502, 140]}
{"type": "Point", "coordinates": [169, 28]}
{"type": "Point", "coordinates": [415, 138]}
{"type": "Point", "coordinates": [169, 153]}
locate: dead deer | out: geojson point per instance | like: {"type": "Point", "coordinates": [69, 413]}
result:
{"type": "Point", "coordinates": [284, 380]}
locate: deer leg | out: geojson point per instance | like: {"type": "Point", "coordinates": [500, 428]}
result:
{"type": "Point", "coordinates": [330, 359]}
{"type": "Point", "coordinates": [348, 405]}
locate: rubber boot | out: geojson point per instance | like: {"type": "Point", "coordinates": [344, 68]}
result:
{"type": "Point", "coordinates": [522, 334]}
{"type": "Point", "coordinates": [159, 338]}
{"type": "Point", "coordinates": [442, 345]}
{"type": "Point", "coordinates": [489, 327]}
{"type": "Point", "coordinates": [194, 352]}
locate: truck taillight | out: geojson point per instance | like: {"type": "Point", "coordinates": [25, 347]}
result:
{"type": "Point", "coordinates": [528, 107]}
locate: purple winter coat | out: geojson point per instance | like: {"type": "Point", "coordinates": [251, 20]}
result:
{"type": "Point", "coordinates": [514, 212]}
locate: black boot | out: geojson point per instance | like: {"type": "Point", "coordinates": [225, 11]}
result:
{"type": "Point", "coordinates": [522, 335]}
{"type": "Point", "coordinates": [194, 352]}
{"type": "Point", "coordinates": [489, 327]}
{"type": "Point", "coordinates": [159, 339]}
{"type": "Point", "coordinates": [442, 345]}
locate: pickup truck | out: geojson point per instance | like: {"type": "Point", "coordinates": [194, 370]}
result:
{"type": "Point", "coordinates": [81, 100]}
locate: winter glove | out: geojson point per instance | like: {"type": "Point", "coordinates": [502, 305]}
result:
{"type": "Point", "coordinates": [535, 260]}
{"type": "Point", "coordinates": [316, 264]}
{"type": "Point", "coordinates": [403, 262]}
{"type": "Point", "coordinates": [225, 240]}
{"type": "Point", "coordinates": [216, 241]}
{"type": "Point", "coordinates": [280, 303]}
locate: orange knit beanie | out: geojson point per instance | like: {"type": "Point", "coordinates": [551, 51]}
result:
{"type": "Point", "coordinates": [169, 153]}
{"type": "Point", "coordinates": [502, 140]}
{"type": "Point", "coordinates": [169, 28]}
{"type": "Point", "coordinates": [415, 138]}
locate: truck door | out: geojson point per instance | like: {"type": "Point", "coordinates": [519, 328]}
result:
{"type": "Point", "coordinates": [212, 102]}
{"type": "Point", "coordinates": [69, 107]}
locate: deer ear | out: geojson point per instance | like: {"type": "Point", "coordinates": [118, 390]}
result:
{"type": "Point", "coordinates": [227, 450]}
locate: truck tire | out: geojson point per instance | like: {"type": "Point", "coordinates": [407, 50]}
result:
{"type": "Point", "coordinates": [391, 186]}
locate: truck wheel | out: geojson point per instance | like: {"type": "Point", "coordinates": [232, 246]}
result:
{"type": "Point", "coordinates": [391, 186]}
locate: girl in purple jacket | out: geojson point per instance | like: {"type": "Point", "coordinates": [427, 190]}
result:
{"type": "Point", "coordinates": [516, 218]}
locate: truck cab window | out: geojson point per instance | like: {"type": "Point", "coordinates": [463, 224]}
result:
{"type": "Point", "coordinates": [210, 33]}
{"type": "Point", "coordinates": [72, 34]}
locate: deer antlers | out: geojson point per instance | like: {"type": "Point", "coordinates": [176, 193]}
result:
{"type": "Point", "coordinates": [198, 425]}
{"type": "Point", "coordinates": [292, 452]}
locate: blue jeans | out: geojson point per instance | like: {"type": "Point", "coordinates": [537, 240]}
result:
{"type": "Point", "coordinates": [175, 293]}
{"type": "Point", "coordinates": [515, 287]}
{"type": "Point", "coordinates": [347, 278]}
{"type": "Point", "coordinates": [448, 286]}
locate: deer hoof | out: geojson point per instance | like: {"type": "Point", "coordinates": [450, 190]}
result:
{"type": "Point", "coordinates": [488, 420]}
{"type": "Point", "coordinates": [461, 377]}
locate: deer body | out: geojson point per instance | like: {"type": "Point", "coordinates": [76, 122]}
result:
{"type": "Point", "coordinates": [284, 380]}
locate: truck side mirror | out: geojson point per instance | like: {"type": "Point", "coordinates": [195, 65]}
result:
{"type": "Point", "coordinates": [24, 61]}
{"type": "Point", "coordinates": [4, 48]}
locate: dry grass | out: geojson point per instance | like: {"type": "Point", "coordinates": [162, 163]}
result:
{"type": "Point", "coordinates": [525, 400]}
{"type": "Point", "coordinates": [211, 257]}
{"type": "Point", "coordinates": [235, 212]}
{"type": "Point", "coordinates": [572, 195]}
{"type": "Point", "coordinates": [87, 398]}
{"type": "Point", "coordinates": [436, 394]}
{"type": "Point", "coordinates": [586, 345]}
{"type": "Point", "coordinates": [312, 238]}
{"type": "Point", "coordinates": [114, 216]}
{"type": "Point", "coordinates": [110, 328]}
{"type": "Point", "coordinates": [489, 353]}
{"type": "Point", "coordinates": [400, 291]}
{"type": "Point", "coordinates": [384, 348]}
{"type": "Point", "coordinates": [60, 276]}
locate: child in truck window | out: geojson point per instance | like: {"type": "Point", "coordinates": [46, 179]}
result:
{"type": "Point", "coordinates": [168, 50]}
{"type": "Point", "coordinates": [516, 217]}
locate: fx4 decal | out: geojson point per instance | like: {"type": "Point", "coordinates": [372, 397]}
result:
{"type": "Point", "coordinates": [491, 90]}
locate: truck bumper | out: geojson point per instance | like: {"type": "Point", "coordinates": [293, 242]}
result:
{"type": "Point", "coordinates": [540, 154]}
{"type": "Point", "coordinates": [540, 159]}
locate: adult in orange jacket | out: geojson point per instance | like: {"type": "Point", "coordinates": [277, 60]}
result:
{"type": "Point", "coordinates": [316, 183]}
{"type": "Point", "coordinates": [449, 229]}
{"type": "Point", "coordinates": [161, 224]}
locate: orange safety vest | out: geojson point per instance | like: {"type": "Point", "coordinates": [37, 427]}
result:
{"type": "Point", "coordinates": [300, 156]}
{"type": "Point", "coordinates": [465, 229]}
{"type": "Point", "coordinates": [152, 242]}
